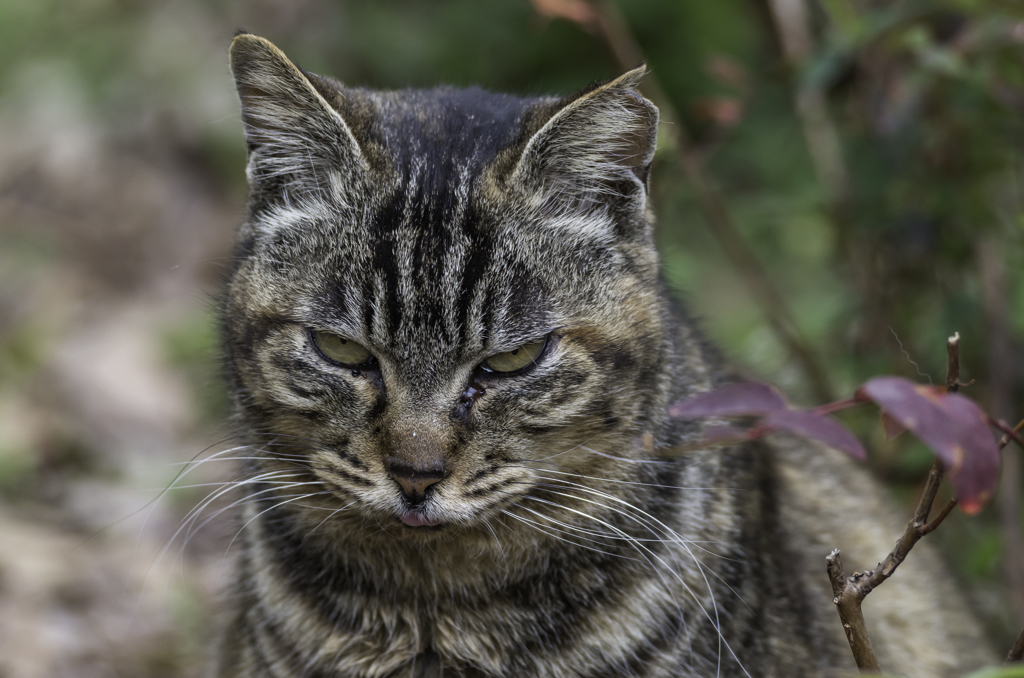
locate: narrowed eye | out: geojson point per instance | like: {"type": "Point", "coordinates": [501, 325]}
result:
{"type": "Point", "coordinates": [341, 350]}
{"type": "Point", "coordinates": [516, 359]}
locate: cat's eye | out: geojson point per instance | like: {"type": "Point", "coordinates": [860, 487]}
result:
{"type": "Point", "coordinates": [517, 359]}
{"type": "Point", "coordinates": [341, 350]}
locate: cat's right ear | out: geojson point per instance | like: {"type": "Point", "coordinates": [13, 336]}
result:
{"type": "Point", "coordinates": [287, 119]}
{"type": "Point", "coordinates": [596, 147]}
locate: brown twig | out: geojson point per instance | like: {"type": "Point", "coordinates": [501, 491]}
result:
{"type": "Point", "coordinates": [612, 28]}
{"type": "Point", "coordinates": [849, 592]}
{"type": "Point", "coordinates": [953, 363]}
{"type": "Point", "coordinates": [847, 599]}
{"type": "Point", "coordinates": [845, 403]}
{"type": "Point", "coordinates": [937, 520]}
{"type": "Point", "coordinates": [992, 276]}
{"type": "Point", "coordinates": [1017, 651]}
{"type": "Point", "coordinates": [1008, 433]}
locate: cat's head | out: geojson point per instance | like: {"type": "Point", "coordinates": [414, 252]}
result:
{"type": "Point", "coordinates": [444, 300]}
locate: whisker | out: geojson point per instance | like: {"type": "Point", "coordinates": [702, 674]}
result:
{"type": "Point", "coordinates": [634, 543]}
{"type": "Point", "coordinates": [332, 514]}
{"type": "Point", "coordinates": [627, 459]}
{"type": "Point", "coordinates": [700, 568]}
{"type": "Point", "coordinates": [537, 527]}
{"type": "Point", "coordinates": [639, 484]}
{"type": "Point", "coordinates": [566, 451]}
{"type": "Point", "coordinates": [275, 506]}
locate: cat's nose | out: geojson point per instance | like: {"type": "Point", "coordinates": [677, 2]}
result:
{"type": "Point", "coordinates": [415, 479]}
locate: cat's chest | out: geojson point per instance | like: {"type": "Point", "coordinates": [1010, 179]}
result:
{"type": "Point", "coordinates": [530, 626]}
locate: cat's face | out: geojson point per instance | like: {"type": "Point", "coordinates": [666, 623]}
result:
{"type": "Point", "coordinates": [443, 299]}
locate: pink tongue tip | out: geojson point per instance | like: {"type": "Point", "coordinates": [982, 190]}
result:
{"type": "Point", "coordinates": [416, 519]}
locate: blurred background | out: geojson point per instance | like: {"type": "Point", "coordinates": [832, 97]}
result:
{"type": "Point", "coordinates": [838, 185]}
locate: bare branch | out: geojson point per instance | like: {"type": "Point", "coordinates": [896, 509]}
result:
{"type": "Point", "coordinates": [953, 363]}
{"type": "Point", "coordinates": [850, 592]}
{"type": "Point", "coordinates": [937, 520]}
{"type": "Point", "coordinates": [1017, 651]}
{"type": "Point", "coordinates": [1008, 433]}
{"type": "Point", "coordinates": [847, 599]}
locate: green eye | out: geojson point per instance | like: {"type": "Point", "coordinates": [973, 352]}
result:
{"type": "Point", "coordinates": [516, 359]}
{"type": "Point", "coordinates": [341, 350]}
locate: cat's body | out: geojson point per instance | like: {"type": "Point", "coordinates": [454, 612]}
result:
{"type": "Point", "coordinates": [453, 357]}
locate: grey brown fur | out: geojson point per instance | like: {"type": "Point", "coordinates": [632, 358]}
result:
{"type": "Point", "coordinates": [437, 229]}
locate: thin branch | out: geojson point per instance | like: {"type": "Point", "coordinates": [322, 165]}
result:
{"type": "Point", "coordinates": [1017, 651]}
{"type": "Point", "coordinates": [847, 599]}
{"type": "Point", "coordinates": [1008, 433]}
{"type": "Point", "coordinates": [937, 520]}
{"type": "Point", "coordinates": [845, 403]}
{"type": "Point", "coordinates": [953, 363]}
{"type": "Point", "coordinates": [850, 591]}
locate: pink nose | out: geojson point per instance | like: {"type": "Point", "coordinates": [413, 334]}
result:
{"type": "Point", "coordinates": [415, 486]}
{"type": "Point", "coordinates": [415, 480]}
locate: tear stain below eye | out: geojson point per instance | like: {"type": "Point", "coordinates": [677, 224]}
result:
{"type": "Point", "coordinates": [472, 394]}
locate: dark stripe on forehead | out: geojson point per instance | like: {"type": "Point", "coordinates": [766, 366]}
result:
{"type": "Point", "coordinates": [418, 239]}
{"type": "Point", "coordinates": [384, 266]}
{"type": "Point", "coordinates": [481, 253]}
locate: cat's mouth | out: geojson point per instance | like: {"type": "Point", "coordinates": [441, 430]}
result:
{"type": "Point", "coordinates": [413, 518]}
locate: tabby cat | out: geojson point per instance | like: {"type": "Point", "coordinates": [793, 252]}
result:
{"type": "Point", "coordinates": [452, 356]}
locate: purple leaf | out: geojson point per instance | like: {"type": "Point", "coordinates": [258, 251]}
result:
{"type": "Point", "coordinates": [952, 426]}
{"type": "Point", "coordinates": [974, 470]}
{"type": "Point", "coordinates": [817, 427]}
{"type": "Point", "coordinates": [749, 398]}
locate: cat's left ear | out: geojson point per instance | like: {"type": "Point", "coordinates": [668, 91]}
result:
{"type": "Point", "coordinates": [597, 146]}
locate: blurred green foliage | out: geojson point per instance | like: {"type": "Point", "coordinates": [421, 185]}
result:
{"type": "Point", "coordinates": [191, 348]}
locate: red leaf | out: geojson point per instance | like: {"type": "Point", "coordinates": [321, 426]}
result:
{"type": "Point", "coordinates": [952, 426]}
{"type": "Point", "coordinates": [817, 427]}
{"type": "Point", "coordinates": [749, 398]}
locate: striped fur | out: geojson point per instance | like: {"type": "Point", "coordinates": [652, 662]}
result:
{"type": "Point", "coordinates": [439, 228]}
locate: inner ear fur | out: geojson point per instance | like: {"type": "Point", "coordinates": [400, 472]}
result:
{"type": "Point", "coordinates": [283, 110]}
{"type": "Point", "coordinates": [595, 142]}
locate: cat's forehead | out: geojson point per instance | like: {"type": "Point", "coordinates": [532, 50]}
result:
{"type": "Point", "coordinates": [433, 267]}
{"type": "Point", "coordinates": [443, 130]}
